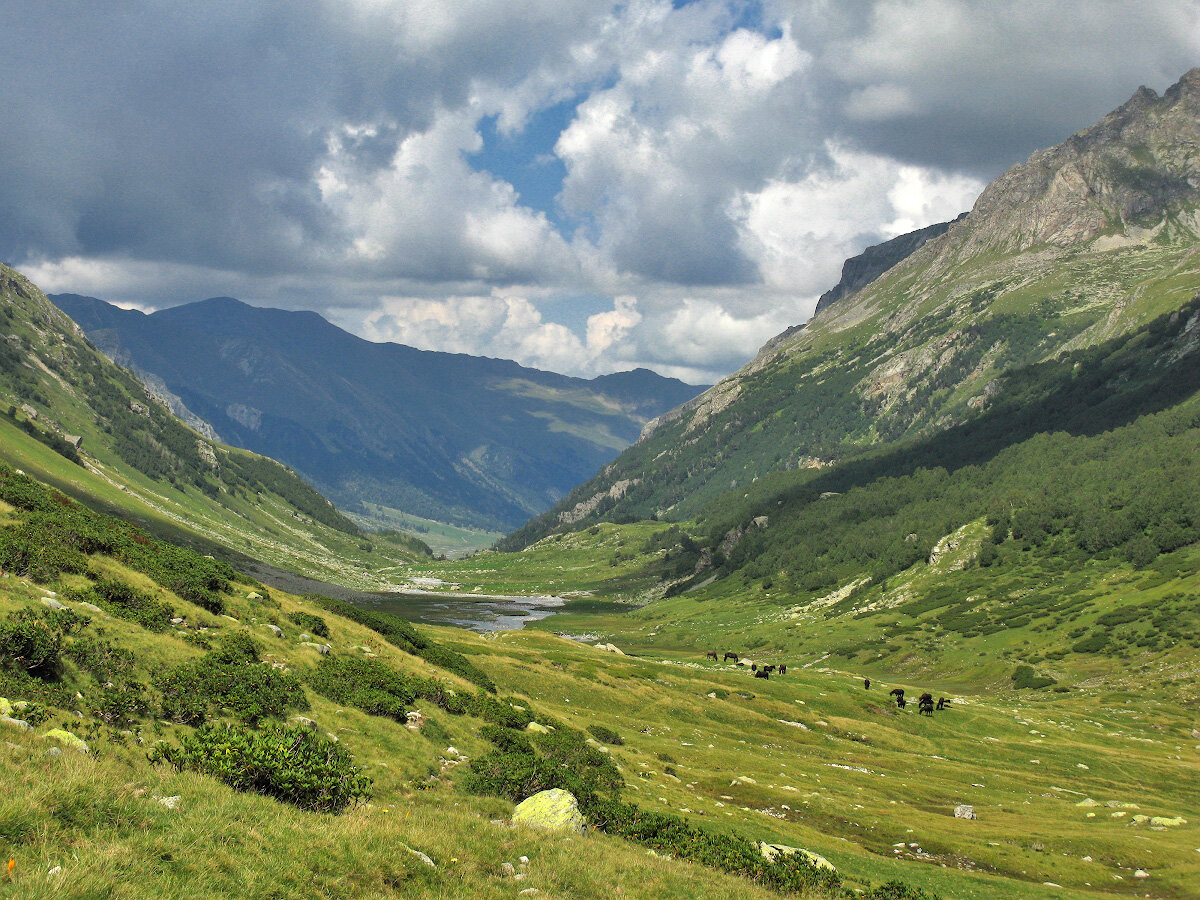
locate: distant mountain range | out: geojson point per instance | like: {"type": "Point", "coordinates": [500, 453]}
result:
{"type": "Point", "coordinates": [381, 429]}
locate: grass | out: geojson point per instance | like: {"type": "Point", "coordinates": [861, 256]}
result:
{"type": "Point", "coordinates": [810, 760]}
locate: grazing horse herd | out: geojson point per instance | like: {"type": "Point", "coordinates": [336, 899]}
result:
{"type": "Point", "coordinates": [925, 704]}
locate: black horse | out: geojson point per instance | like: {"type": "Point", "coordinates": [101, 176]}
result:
{"type": "Point", "coordinates": [729, 656]}
{"type": "Point", "coordinates": [867, 684]}
{"type": "Point", "coordinates": [943, 703]}
{"type": "Point", "coordinates": [925, 704]}
{"type": "Point", "coordinates": [762, 673]}
{"type": "Point", "coordinates": [783, 668]}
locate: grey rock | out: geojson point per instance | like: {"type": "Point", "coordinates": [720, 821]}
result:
{"type": "Point", "coordinates": [20, 724]}
{"type": "Point", "coordinates": [52, 603]}
{"type": "Point", "coordinates": [275, 630]}
{"type": "Point", "coordinates": [964, 811]}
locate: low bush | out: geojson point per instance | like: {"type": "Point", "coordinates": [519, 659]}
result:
{"type": "Point", "coordinates": [290, 763]}
{"type": "Point", "coordinates": [605, 735]}
{"type": "Point", "coordinates": [125, 602]}
{"type": "Point", "coordinates": [1027, 677]}
{"type": "Point", "coordinates": [367, 684]}
{"type": "Point", "coordinates": [229, 676]}
{"type": "Point", "coordinates": [310, 623]}
{"type": "Point", "coordinates": [31, 644]}
{"type": "Point", "coordinates": [401, 633]}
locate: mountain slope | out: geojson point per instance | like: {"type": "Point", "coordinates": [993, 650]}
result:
{"type": "Point", "coordinates": [76, 420]}
{"type": "Point", "coordinates": [474, 441]}
{"type": "Point", "coordinates": [1082, 243]}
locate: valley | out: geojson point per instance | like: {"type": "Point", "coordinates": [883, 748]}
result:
{"type": "Point", "coordinates": [974, 474]}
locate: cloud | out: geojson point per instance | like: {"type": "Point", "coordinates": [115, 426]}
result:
{"type": "Point", "coordinates": [719, 160]}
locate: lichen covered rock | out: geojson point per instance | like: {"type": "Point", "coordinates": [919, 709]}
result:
{"type": "Point", "coordinates": [553, 810]}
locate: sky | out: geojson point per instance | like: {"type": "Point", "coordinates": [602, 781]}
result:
{"type": "Point", "coordinates": [580, 185]}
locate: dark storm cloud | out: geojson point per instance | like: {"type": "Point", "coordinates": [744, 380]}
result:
{"type": "Point", "coordinates": [192, 133]}
{"type": "Point", "coordinates": [977, 85]}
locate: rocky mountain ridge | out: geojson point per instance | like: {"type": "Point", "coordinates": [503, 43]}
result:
{"type": "Point", "coordinates": [1080, 244]}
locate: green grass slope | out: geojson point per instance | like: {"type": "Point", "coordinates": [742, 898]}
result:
{"type": "Point", "coordinates": [1078, 795]}
{"type": "Point", "coordinates": [134, 457]}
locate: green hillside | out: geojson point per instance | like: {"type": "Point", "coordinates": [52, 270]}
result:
{"type": "Point", "coordinates": [74, 419]}
{"type": "Point", "coordinates": [192, 785]}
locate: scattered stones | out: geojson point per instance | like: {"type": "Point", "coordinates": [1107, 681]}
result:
{"type": "Point", "coordinates": [90, 607]}
{"type": "Point", "coordinates": [611, 648]}
{"type": "Point", "coordinates": [177, 620]}
{"type": "Point", "coordinates": [54, 751]}
{"type": "Point", "coordinates": [1141, 873]}
{"type": "Point", "coordinates": [508, 868]}
{"type": "Point", "coordinates": [452, 751]}
{"type": "Point", "coordinates": [53, 604]}
{"type": "Point", "coordinates": [57, 870]}
{"type": "Point", "coordinates": [1089, 802]}
{"type": "Point", "coordinates": [552, 810]}
{"type": "Point", "coordinates": [305, 722]}
{"type": "Point", "coordinates": [1118, 804]}
{"type": "Point", "coordinates": [964, 811]}
{"type": "Point", "coordinates": [770, 851]}
{"type": "Point", "coordinates": [254, 595]}
{"type": "Point", "coordinates": [528, 892]}
{"type": "Point", "coordinates": [170, 802]}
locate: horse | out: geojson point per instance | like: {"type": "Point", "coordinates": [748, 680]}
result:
{"type": "Point", "coordinates": [729, 656]}
{"type": "Point", "coordinates": [783, 668]}
{"type": "Point", "coordinates": [711, 654]}
{"type": "Point", "coordinates": [762, 673]}
{"type": "Point", "coordinates": [943, 703]}
{"type": "Point", "coordinates": [866, 684]}
{"type": "Point", "coordinates": [926, 704]}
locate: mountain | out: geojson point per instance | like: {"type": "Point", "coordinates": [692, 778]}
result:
{"type": "Point", "coordinates": [859, 271]}
{"type": "Point", "coordinates": [75, 420]}
{"type": "Point", "coordinates": [1082, 244]}
{"type": "Point", "coordinates": [478, 442]}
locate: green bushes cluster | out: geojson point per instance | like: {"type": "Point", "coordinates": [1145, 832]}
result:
{"type": "Point", "coordinates": [125, 602]}
{"type": "Point", "coordinates": [31, 644]}
{"type": "Point", "coordinates": [401, 633]}
{"type": "Point", "coordinates": [59, 534]}
{"type": "Point", "coordinates": [606, 735]}
{"type": "Point", "coordinates": [290, 763]}
{"type": "Point", "coordinates": [365, 683]}
{"type": "Point", "coordinates": [230, 676]}
{"type": "Point", "coordinates": [1027, 677]}
{"type": "Point", "coordinates": [311, 623]}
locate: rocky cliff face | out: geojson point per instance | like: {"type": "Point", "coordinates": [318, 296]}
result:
{"type": "Point", "coordinates": [861, 270]}
{"type": "Point", "coordinates": [1129, 178]}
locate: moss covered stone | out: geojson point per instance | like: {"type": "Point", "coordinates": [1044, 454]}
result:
{"type": "Point", "coordinates": [553, 810]}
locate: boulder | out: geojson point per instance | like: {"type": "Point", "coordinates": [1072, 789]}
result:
{"type": "Point", "coordinates": [275, 630]}
{"type": "Point", "coordinates": [15, 723]}
{"type": "Point", "coordinates": [1168, 821]}
{"type": "Point", "coordinates": [964, 811]}
{"type": "Point", "coordinates": [538, 728]}
{"type": "Point", "coordinates": [52, 603]}
{"type": "Point", "coordinates": [552, 810]}
{"type": "Point", "coordinates": [770, 851]}
{"type": "Point", "coordinates": [5, 707]}
{"type": "Point", "coordinates": [67, 739]}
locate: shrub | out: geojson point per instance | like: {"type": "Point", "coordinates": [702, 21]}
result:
{"type": "Point", "coordinates": [126, 602]}
{"type": "Point", "coordinates": [31, 644]}
{"type": "Point", "coordinates": [289, 763]}
{"type": "Point", "coordinates": [402, 634]}
{"type": "Point", "coordinates": [605, 735]}
{"type": "Point", "coordinates": [368, 684]}
{"type": "Point", "coordinates": [1027, 677]}
{"type": "Point", "coordinates": [310, 623]}
{"type": "Point", "coordinates": [229, 676]}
